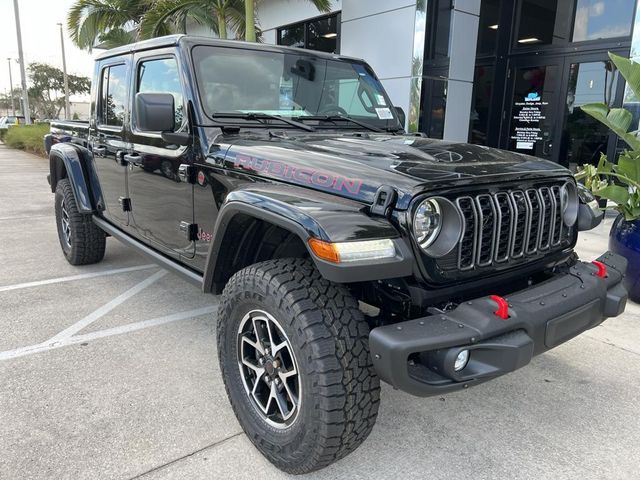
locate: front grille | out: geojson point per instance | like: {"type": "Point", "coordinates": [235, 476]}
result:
{"type": "Point", "coordinates": [501, 227]}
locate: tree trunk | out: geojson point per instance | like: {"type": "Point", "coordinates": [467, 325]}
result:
{"type": "Point", "coordinates": [222, 26]}
{"type": "Point", "coordinates": [250, 29]}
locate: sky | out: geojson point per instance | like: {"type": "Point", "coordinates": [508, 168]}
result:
{"type": "Point", "coordinates": [40, 39]}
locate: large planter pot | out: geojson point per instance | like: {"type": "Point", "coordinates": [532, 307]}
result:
{"type": "Point", "coordinates": [624, 239]}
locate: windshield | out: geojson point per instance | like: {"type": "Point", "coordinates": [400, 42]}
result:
{"type": "Point", "coordinates": [290, 85]}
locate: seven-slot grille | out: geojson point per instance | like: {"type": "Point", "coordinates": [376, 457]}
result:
{"type": "Point", "coordinates": [506, 225]}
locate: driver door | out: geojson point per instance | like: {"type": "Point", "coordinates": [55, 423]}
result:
{"type": "Point", "coordinates": [161, 200]}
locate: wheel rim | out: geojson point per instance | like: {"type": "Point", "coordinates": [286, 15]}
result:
{"type": "Point", "coordinates": [65, 224]}
{"type": "Point", "coordinates": [268, 369]}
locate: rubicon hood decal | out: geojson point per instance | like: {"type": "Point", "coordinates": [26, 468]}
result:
{"type": "Point", "coordinates": [301, 175]}
{"type": "Point", "coordinates": [355, 166]}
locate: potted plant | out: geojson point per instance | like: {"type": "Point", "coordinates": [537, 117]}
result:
{"type": "Point", "coordinates": [620, 182]}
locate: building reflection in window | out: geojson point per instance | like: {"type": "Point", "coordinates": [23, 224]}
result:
{"type": "Point", "coordinates": [583, 137]}
{"type": "Point", "coordinates": [481, 104]}
{"type": "Point", "coordinates": [596, 19]}
{"type": "Point", "coordinates": [322, 34]}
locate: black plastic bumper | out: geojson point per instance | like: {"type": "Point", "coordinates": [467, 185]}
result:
{"type": "Point", "coordinates": [417, 355]}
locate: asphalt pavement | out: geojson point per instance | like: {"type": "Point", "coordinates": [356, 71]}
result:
{"type": "Point", "coordinates": [110, 371]}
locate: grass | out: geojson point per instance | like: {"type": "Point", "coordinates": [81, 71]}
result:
{"type": "Point", "coordinates": [27, 137]}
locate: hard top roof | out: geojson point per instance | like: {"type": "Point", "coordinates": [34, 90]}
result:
{"type": "Point", "coordinates": [191, 40]}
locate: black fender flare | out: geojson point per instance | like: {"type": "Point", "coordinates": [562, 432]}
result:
{"type": "Point", "coordinates": [75, 163]}
{"type": "Point", "coordinates": [310, 214]}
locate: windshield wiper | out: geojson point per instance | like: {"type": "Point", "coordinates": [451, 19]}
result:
{"type": "Point", "coordinates": [262, 116]}
{"type": "Point", "coordinates": [334, 118]}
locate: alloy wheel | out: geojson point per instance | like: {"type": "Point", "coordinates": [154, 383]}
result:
{"type": "Point", "coordinates": [268, 369]}
{"type": "Point", "coordinates": [65, 223]}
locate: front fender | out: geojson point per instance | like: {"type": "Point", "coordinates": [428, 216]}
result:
{"type": "Point", "coordinates": [308, 213]}
{"type": "Point", "coordinates": [73, 162]}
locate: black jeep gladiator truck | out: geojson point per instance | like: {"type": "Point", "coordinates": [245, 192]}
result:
{"type": "Point", "coordinates": [346, 251]}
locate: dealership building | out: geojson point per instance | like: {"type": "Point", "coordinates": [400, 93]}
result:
{"type": "Point", "coordinates": [501, 73]}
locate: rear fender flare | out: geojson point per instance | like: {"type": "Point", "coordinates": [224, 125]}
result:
{"type": "Point", "coordinates": [72, 162]}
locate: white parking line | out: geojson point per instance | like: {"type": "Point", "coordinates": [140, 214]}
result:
{"type": "Point", "coordinates": [131, 327]}
{"type": "Point", "coordinates": [107, 307]}
{"type": "Point", "coordinates": [76, 277]}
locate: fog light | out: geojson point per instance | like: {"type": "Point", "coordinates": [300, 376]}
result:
{"type": "Point", "coordinates": [461, 360]}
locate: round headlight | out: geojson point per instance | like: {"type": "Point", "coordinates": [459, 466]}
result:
{"type": "Point", "coordinates": [437, 226]}
{"type": "Point", "coordinates": [569, 201]}
{"type": "Point", "coordinates": [427, 222]}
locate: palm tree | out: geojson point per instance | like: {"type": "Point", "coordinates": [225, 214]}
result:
{"type": "Point", "coordinates": [118, 22]}
{"type": "Point", "coordinates": [215, 14]}
{"type": "Point", "coordinates": [250, 9]}
{"type": "Point", "coordinates": [110, 22]}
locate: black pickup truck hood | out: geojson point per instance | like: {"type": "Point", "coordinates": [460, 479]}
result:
{"type": "Point", "coordinates": [355, 166]}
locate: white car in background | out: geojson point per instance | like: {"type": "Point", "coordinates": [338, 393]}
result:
{"type": "Point", "coordinates": [9, 121]}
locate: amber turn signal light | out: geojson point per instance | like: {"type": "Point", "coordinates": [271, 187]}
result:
{"type": "Point", "coordinates": [324, 250]}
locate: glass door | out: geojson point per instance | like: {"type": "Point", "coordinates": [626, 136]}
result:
{"type": "Point", "coordinates": [590, 79]}
{"type": "Point", "coordinates": [532, 125]}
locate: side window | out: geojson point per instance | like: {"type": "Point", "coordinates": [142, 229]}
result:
{"type": "Point", "coordinates": [113, 95]}
{"type": "Point", "coordinates": [161, 76]}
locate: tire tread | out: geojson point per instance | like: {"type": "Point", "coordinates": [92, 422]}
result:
{"type": "Point", "coordinates": [88, 241]}
{"type": "Point", "coordinates": [336, 333]}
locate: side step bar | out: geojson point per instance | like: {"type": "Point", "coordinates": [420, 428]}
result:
{"type": "Point", "coordinates": [164, 262]}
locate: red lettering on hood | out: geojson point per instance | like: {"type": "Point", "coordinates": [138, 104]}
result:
{"type": "Point", "coordinates": [318, 178]}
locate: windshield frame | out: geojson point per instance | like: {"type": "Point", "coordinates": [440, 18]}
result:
{"type": "Point", "coordinates": [218, 118]}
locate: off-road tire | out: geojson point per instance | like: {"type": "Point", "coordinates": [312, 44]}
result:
{"type": "Point", "coordinates": [87, 242]}
{"type": "Point", "coordinates": [340, 392]}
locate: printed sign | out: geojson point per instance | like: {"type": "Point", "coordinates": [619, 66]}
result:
{"type": "Point", "coordinates": [384, 113]}
{"type": "Point", "coordinates": [527, 118]}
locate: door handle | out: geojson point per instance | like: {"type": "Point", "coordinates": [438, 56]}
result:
{"type": "Point", "coordinates": [99, 150]}
{"type": "Point", "coordinates": [133, 158]}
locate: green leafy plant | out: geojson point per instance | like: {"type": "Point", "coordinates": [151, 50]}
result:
{"type": "Point", "coordinates": [112, 23]}
{"type": "Point", "coordinates": [618, 182]}
{"type": "Point", "coordinates": [27, 137]}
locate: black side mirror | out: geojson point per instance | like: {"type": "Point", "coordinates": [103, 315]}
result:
{"type": "Point", "coordinates": [589, 214]}
{"type": "Point", "coordinates": [155, 112]}
{"type": "Point", "coordinates": [402, 117]}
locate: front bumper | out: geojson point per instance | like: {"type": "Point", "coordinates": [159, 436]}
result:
{"type": "Point", "coordinates": [417, 355]}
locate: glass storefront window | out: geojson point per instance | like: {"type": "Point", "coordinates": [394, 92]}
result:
{"type": "Point", "coordinates": [439, 28]}
{"type": "Point", "coordinates": [434, 107]}
{"type": "Point", "coordinates": [541, 22]}
{"type": "Point", "coordinates": [317, 34]}
{"type": "Point", "coordinates": [481, 104]}
{"type": "Point", "coordinates": [322, 34]}
{"type": "Point", "coordinates": [597, 19]}
{"type": "Point", "coordinates": [488, 27]}
{"type": "Point", "coordinates": [533, 123]}
{"type": "Point", "coordinates": [292, 36]}
{"type": "Point", "coordinates": [583, 137]}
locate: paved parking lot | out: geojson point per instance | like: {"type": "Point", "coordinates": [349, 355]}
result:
{"type": "Point", "coordinates": [110, 371]}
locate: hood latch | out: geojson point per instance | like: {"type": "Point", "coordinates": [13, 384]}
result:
{"type": "Point", "coordinates": [384, 201]}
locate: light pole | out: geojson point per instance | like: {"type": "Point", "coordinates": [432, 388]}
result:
{"type": "Point", "coordinates": [13, 105]}
{"type": "Point", "coordinates": [25, 92]}
{"type": "Point", "coordinates": [67, 108]}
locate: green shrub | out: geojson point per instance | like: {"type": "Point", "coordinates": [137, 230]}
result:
{"type": "Point", "coordinates": [27, 137]}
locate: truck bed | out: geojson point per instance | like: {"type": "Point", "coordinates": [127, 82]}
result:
{"type": "Point", "coordinates": [74, 131]}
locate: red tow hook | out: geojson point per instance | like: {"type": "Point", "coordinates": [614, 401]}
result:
{"type": "Point", "coordinates": [602, 268]}
{"type": "Point", "coordinates": [503, 307]}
